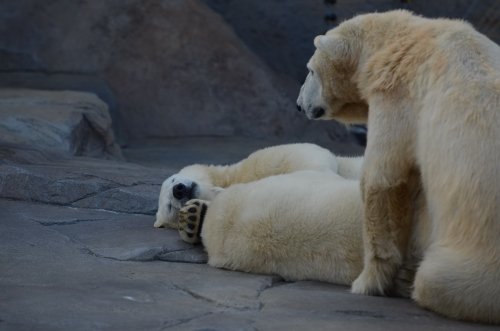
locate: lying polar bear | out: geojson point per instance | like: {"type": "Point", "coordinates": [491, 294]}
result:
{"type": "Point", "coordinates": [205, 182]}
{"type": "Point", "coordinates": [291, 210]}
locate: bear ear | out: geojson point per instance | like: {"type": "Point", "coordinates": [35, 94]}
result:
{"type": "Point", "coordinates": [336, 47]}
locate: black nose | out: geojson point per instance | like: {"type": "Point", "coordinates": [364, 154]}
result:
{"type": "Point", "coordinates": [318, 112]}
{"type": "Point", "coordinates": [180, 191]}
{"type": "Point", "coordinates": [299, 108]}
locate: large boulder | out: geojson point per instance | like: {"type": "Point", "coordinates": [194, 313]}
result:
{"type": "Point", "coordinates": [65, 123]}
{"type": "Point", "coordinates": [175, 67]}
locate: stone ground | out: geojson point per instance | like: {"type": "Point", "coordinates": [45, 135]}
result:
{"type": "Point", "coordinates": [78, 251]}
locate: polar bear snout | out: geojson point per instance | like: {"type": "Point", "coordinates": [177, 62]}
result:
{"type": "Point", "coordinates": [317, 112]}
{"type": "Point", "coordinates": [182, 191]}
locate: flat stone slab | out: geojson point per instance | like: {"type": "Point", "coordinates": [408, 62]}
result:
{"type": "Point", "coordinates": [53, 280]}
{"type": "Point", "coordinates": [85, 182]}
{"type": "Point", "coordinates": [66, 268]}
{"type": "Point", "coordinates": [117, 236]}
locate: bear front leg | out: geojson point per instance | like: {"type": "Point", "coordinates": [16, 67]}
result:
{"type": "Point", "coordinates": [386, 230]}
{"type": "Point", "coordinates": [387, 194]}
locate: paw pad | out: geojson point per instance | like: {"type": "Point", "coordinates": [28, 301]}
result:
{"type": "Point", "coordinates": [191, 219]}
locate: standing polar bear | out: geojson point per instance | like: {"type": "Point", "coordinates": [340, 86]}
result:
{"type": "Point", "coordinates": [429, 90]}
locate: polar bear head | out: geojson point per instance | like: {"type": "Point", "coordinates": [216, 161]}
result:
{"type": "Point", "coordinates": [189, 183]}
{"type": "Point", "coordinates": [330, 90]}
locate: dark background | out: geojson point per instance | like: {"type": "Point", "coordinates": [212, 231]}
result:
{"type": "Point", "coordinates": [179, 68]}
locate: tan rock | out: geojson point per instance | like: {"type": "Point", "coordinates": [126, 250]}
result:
{"type": "Point", "coordinates": [66, 123]}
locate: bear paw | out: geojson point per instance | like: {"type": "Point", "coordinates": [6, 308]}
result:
{"type": "Point", "coordinates": [191, 218]}
{"type": "Point", "coordinates": [373, 280]}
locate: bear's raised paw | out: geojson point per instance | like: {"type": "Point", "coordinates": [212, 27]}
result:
{"type": "Point", "coordinates": [191, 218]}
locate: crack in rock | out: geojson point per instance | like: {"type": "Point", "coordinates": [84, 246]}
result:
{"type": "Point", "coordinates": [92, 194]}
{"type": "Point", "coordinates": [69, 222]}
{"type": "Point", "coordinates": [148, 255]}
{"type": "Point", "coordinates": [169, 324]}
{"type": "Point", "coordinates": [160, 254]}
{"type": "Point", "coordinates": [361, 313]}
{"type": "Point", "coordinates": [90, 252]}
{"type": "Point", "coordinates": [212, 301]}
{"type": "Point", "coordinates": [184, 255]}
{"type": "Point", "coordinates": [196, 295]}
{"type": "Point", "coordinates": [274, 282]}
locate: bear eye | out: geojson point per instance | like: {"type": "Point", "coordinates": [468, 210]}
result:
{"type": "Point", "coordinates": [312, 72]}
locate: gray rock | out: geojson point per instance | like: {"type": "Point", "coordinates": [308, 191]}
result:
{"type": "Point", "coordinates": [85, 182]}
{"type": "Point", "coordinates": [69, 82]}
{"type": "Point", "coordinates": [281, 33]}
{"type": "Point", "coordinates": [131, 199]}
{"type": "Point", "coordinates": [138, 240]}
{"type": "Point", "coordinates": [52, 280]}
{"type": "Point", "coordinates": [64, 122]}
{"type": "Point", "coordinates": [175, 67]}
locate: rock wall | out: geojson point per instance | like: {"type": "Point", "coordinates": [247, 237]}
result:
{"type": "Point", "coordinates": [285, 29]}
{"type": "Point", "coordinates": [280, 32]}
{"type": "Point", "coordinates": [167, 68]}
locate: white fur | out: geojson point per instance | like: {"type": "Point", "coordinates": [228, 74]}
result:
{"type": "Point", "coordinates": [433, 90]}
{"type": "Point", "coordinates": [303, 225]}
{"type": "Point", "coordinates": [263, 163]}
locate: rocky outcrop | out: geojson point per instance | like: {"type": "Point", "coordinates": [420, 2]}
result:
{"type": "Point", "coordinates": [175, 68]}
{"type": "Point", "coordinates": [281, 33]}
{"type": "Point", "coordinates": [64, 123]}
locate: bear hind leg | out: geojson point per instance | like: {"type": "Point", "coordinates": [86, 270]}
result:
{"type": "Point", "coordinates": [459, 285]}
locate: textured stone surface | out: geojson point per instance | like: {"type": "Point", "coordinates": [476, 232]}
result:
{"type": "Point", "coordinates": [52, 280]}
{"type": "Point", "coordinates": [174, 67]}
{"type": "Point", "coordinates": [66, 268]}
{"type": "Point", "coordinates": [97, 230]}
{"type": "Point", "coordinates": [84, 182]}
{"type": "Point", "coordinates": [69, 82]}
{"type": "Point", "coordinates": [281, 32]}
{"type": "Point", "coordinates": [63, 122]}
